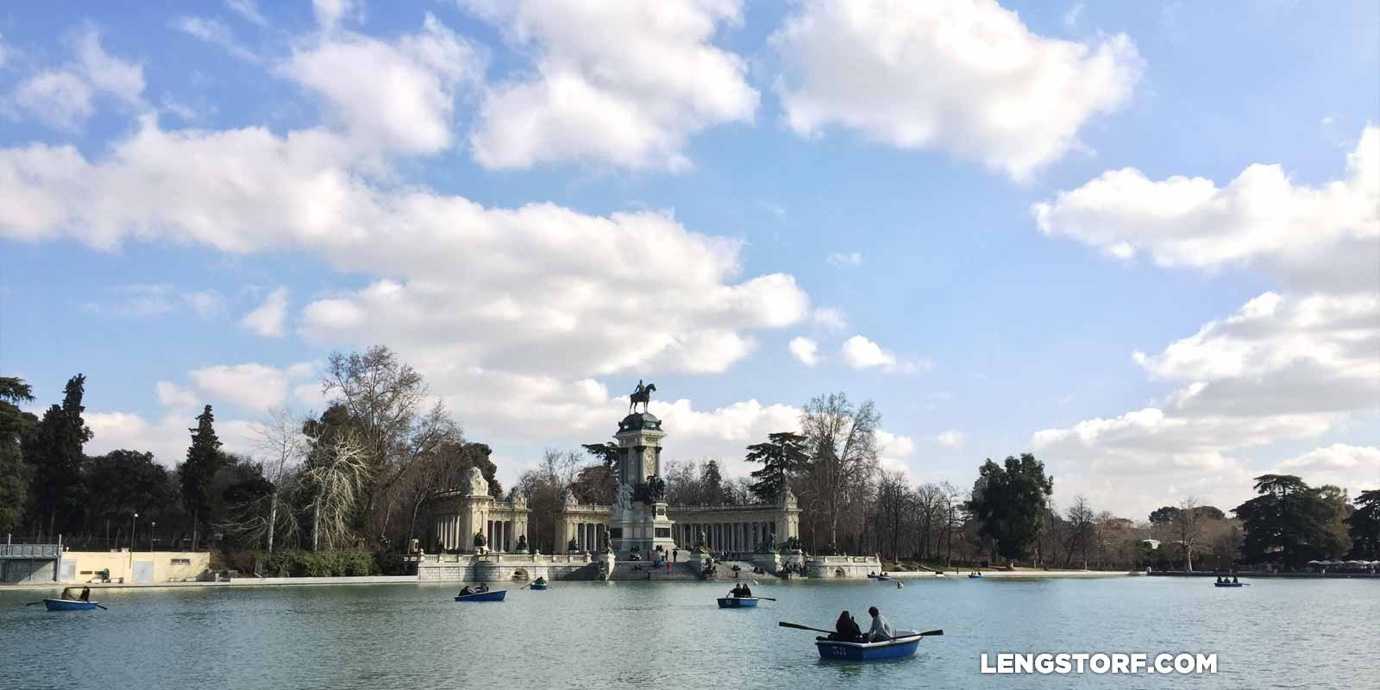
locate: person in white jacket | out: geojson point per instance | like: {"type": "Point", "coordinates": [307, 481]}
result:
{"type": "Point", "coordinates": [881, 629]}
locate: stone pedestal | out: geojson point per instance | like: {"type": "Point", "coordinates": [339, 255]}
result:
{"type": "Point", "coordinates": [639, 523]}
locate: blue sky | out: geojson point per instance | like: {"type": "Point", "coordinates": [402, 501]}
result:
{"type": "Point", "coordinates": [975, 215]}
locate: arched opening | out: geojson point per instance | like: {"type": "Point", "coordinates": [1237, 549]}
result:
{"type": "Point", "coordinates": [838, 572]}
{"type": "Point", "coordinates": [519, 575]}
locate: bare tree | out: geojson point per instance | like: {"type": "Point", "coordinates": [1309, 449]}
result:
{"type": "Point", "coordinates": [283, 446]}
{"type": "Point", "coordinates": [336, 479]}
{"type": "Point", "coordinates": [1081, 530]}
{"type": "Point", "coordinates": [1188, 528]}
{"type": "Point", "coordinates": [843, 447]}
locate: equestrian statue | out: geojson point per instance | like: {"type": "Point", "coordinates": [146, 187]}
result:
{"type": "Point", "coordinates": [642, 394]}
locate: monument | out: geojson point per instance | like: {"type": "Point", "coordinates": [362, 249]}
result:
{"type": "Point", "coordinates": [638, 520]}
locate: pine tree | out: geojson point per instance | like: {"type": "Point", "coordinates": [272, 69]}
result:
{"type": "Point", "coordinates": [782, 455]}
{"type": "Point", "coordinates": [712, 484]}
{"type": "Point", "coordinates": [15, 424]}
{"type": "Point", "coordinates": [54, 452]}
{"type": "Point", "coordinates": [203, 459]}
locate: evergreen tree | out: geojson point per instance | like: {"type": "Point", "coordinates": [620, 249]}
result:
{"type": "Point", "coordinates": [54, 454]}
{"type": "Point", "coordinates": [1364, 526]}
{"type": "Point", "coordinates": [712, 484]}
{"type": "Point", "coordinates": [204, 458]}
{"type": "Point", "coordinates": [15, 424]}
{"type": "Point", "coordinates": [1292, 521]}
{"type": "Point", "coordinates": [1009, 502]}
{"type": "Point", "coordinates": [781, 456]}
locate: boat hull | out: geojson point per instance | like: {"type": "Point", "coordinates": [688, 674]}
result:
{"type": "Point", "coordinates": [904, 645]}
{"type": "Point", "coordinates": [538, 587]}
{"type": "Point", "coordinates": [496, 595]}
{"type": "Point", "coordinates": [738, 602]}
{"type": "Point", "coordinates": [68, 605]}
{"type": "Point", "coordinates": [1229, 584]}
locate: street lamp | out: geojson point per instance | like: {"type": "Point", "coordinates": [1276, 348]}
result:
{"type": "Point", "coordinates": [152, 525]}
{"type": "Point", "coordinates": [131, 531]}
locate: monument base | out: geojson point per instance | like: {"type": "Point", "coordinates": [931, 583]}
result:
{"type": "Point", "coordinates": [641, 529]}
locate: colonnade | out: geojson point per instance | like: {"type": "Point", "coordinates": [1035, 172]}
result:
{"type": "Point", "coordinates": [499, 534]}
{"type": "Point", "coordinates": [588, 536]}
{"type": "Point", "coordinates": [726, 536]}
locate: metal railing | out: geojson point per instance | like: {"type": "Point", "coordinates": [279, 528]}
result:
{"type": "Point", "coordinates": [29, 550]}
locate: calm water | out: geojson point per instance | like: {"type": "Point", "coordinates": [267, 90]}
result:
{"type": "Point", "coordinates": [1276, 633]}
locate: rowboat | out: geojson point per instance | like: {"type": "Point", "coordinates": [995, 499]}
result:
{"type": "Point", "coordinates": [70, 605]}
{"type": "Point", "coordinates": [902, 645]}
{"type": "Point", "coordinates": [974, 576]}
{"type": "Point", "coordinates": [1229, 584]}
{"type": "Point", "coordinates": [493, 595]}
{"type": "Point", "coordinates": [538, 586]}
{"type": "Point", "coordinates": [738, 602]}
{"type": "Point", "coordinates": [884, 578]}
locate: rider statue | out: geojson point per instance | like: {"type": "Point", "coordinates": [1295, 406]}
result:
{"type": "Point", "coordinates": [641, 394]}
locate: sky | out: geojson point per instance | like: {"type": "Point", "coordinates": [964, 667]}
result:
{"type": "Point", "coordinates": [1140, 240]}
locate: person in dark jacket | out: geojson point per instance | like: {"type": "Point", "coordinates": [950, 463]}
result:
{"type": "Point", "coordinates": [846, 629]}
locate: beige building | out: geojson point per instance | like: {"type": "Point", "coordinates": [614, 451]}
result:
{"type": "Point", "coordinates": [138, 567]}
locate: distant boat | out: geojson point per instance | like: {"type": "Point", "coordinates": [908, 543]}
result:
{"type": "Point", "coordinates": [492, 595]}
{"type": "Point", "coordinates": [738, 602]}
{"type": "Point", "coordinates": [538, 586]}
{"type": "Point", "coordinates": [1229, 584]}
{"type": "Point", "coordinates": [884, 578]}
{"type": "Point", "coordinates": [903, 645]}
{"type": "Point", "coordinates": [975, 576]}
{"type": "Point", "coordinates": [70, 605]}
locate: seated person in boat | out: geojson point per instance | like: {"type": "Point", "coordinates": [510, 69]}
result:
{"type": "Point", "coordinates": [881, 629]}
{"type": "Point", "coordinates": [466, 590]}
{"type": "Point", "coordinates": [539, 581]}
{"type": "Point", "coordinates": [846, 629]}
{"type": "Point", "coordinates": [86, 594]}
{"type": "Point", "coordinates": [742, 591]}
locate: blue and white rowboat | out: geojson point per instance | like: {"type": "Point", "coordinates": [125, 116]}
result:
{"type": "Point", "coordinates": [493, 595]}
{"type": "Point", "coordinates": [902, 645]}
{"type": "Point", "coordinates": [738, 602]}
{"type": "Point", "coordinates": [70, 605]}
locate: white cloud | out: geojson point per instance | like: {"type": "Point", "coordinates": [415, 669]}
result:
{"type": "Point", "coordinates": [1355, 468]}
{"type": "Point", "coordinates": [861, 353]}
{"type": "Point", "coordinates": [407, 102]}
{"type": "Point", "coordinates": [893, 452]}
{"type": "Point", "coordinates": [63, 97]}
{"type": "Point", "coordinates": [166, 437]}
{"type": "Point", "coordinates": [206, 303]}
{"type": "Point", "coordinates": [1325, 237]}
{"type": "Point", "coordinates": [173, 395]}
{"type": "Point", "coordinates": [805, 350]}
{"type": "Point", "coordinates": [330, 13]}
{"type": "Point", "coordinates": [268, 319]}
{"type": "Point", "coordinates": [251, 386]}
{"type": "Point", "coordinates": [144, 300]}
{"type": "Point", "coordinates": [845, 259]}
{"type": "Point", "coordinates": [952, 438]}
{"type": "Point", "coordinates": [630, 101]}
{"type": "Point", "coordinates": [216, 33]}
{"type": "Point", "coordinates": [966, 76]}
{"type": "Point", "coordinates": [247, 9]}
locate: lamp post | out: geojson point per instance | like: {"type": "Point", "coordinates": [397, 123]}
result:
{"type": "Point", "coordinates": [152, 525]}
{"type": "Point", "coordinates": [132, 520]}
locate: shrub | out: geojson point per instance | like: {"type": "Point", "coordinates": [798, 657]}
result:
{"type": "Point", "coordinates": [319, 564]}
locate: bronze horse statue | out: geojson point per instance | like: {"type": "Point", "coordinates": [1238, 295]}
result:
{"type": "Point", "coordinates": [643, 395]}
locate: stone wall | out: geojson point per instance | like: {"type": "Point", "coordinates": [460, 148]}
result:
{"type": "Point", "coordinates": [508, 567]}
{"type": "Point", "coordinates": [832, 567]}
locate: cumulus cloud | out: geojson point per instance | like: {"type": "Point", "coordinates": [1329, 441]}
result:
{"type": "Point", "coordinates": [251, 386]}
{"type": "Point", "coordinates": [1316, 237]}
{"type": "Point", "coordinates": [407, 101]}
{"type": "Point", "coordinates": [1287, 366]}
{"type": "Point", "coordinates": [165, 436]}
{"type": "Point", "coordinates": [268, 319]}
{"type": "Point", "coordinates": [1355, 468]}
{"type": "Point", "coordinates": [965, 76]}
{"type": "Point", "coordinates": [216, 33]}
{"type": "Point", "coordinates": [630, 102]}
{"type": "Point", "coordinates": [859, 352]}
{"type": "Point", "coordinates": [63, 97]}
{"type": "Point", "coordinates": [805, 350]}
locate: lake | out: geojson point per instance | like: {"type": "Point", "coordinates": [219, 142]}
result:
{"type": "Point", "coordinates": [1276, 633]}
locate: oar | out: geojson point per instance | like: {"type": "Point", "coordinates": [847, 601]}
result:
{"type": "Point", "coordinates": [33, 603]}
{"type": "Point", "coordinates": [767, 598]}
{"type": "Point", "coordinates": [798, 626]}
{"type": "Point", "coordinates": [99, 606]}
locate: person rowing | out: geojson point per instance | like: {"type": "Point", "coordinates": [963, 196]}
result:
{"type": "Point", "coordinates": [881, 629]}
{"type": "Point", "coordinates": [741, 591]}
